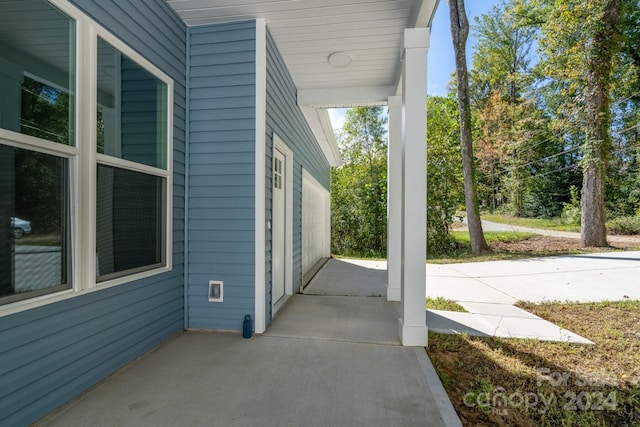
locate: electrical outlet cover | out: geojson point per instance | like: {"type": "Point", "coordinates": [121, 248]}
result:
{"type": "Point", "coordinates": [215, 291]}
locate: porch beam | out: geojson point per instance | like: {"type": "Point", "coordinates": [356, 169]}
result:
{"type": "Point", "coordinates": [345, 97]}
{"type": "Point", "coordinates": [394, 199]}
{"type": "Point", "coordinates": [412, 324]}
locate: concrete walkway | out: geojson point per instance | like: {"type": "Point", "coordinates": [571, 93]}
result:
{"type": "Point", "coordinates": [488, 290]}
{"type": "Point", "coordinates": [326, 360]}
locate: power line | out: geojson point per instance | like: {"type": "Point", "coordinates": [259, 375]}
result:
{"type": "Point", "coordinates": [579, 126]}
{"type": "Point", "coordinates": [570, 150]}
{"type": "Point", "coordinates": [571, 167]}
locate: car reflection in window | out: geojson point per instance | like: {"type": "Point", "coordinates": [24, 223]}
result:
{"type": "Point", "coordinates": [20, 227]}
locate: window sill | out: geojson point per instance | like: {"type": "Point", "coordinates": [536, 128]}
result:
{"type": "Point", "coordinates": [28, 304]}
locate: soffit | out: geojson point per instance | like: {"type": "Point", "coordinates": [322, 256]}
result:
{"type": "Point", "coordinates": [307, 32]}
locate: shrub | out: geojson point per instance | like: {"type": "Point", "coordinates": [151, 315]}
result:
{"type": "Point", "coordinates": [441, 244]}
{"type": "Point", "coordinates": [627, 225]}
{"type": "Point", "coordinates": [571, 212]}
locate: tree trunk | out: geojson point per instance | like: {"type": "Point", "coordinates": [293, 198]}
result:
{"type": "Point", "coordinates": [598, 145]}
{"type": "Point", "coordinates": [459, 34]}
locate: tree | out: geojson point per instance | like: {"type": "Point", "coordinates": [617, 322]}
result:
{"type": "Point", "coordinates": [579, 43]}
{"type": "Point", "coordinates": [359, 187]}
{"type": "Point", "coordinates": [622, 193]}
{"type": "Point", "coordinates": [501, 62]}
{"type": "Point", "coordinates": [459, 34]}
{"type": "Point", "coordinates": [445, 189]}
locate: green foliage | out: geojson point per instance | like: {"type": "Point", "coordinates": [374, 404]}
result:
{"type": "Point", "coordinates": [626, 225]}
{"type": "Point", "coordinates": [45, 111]}
{"type": "Point", "coordinates": [359, 187]}
{"type": "Point", "coordinates": [502, 57]}
{"type": "Point", "coordinates": [520, 172]}
{"type": "Point", "coordinates": [571, 212]}
{"type": "Point", "coordinates": [459, 249]}
{"type": "Point", "coordinates": [535, 124]}
{"type": "Point", "coordinates": [493, 236]}
{"type": "Point", "coordinates": [445, 190]}
{"type": "Point", "coordinates": [543, 223]}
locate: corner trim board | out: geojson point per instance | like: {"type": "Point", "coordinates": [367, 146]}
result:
{"type": "Point", "coordinates": [260, 180]}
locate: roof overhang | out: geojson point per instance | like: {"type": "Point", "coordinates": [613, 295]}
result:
{"type": "Point", "coordinates": [321, 127]}
{"type": "Point", "coordinates": [340, 53]}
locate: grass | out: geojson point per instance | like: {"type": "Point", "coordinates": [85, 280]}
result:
{"type": "Point", "coordinates": [493, 236]}
{"type": "Point", "coordinates": [546, 224]}
{"type": "Point", "coordinates": [39, 240]}
{"type": "Point", "coordinates": [370, 255]}
{"type": "Point", "coordinates": [504, 382]}
{"type": "Point", "coordinates": [440, 303]}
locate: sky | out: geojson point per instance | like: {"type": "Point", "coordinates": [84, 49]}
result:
{"type": "Point", "coordinates": [441, 61]}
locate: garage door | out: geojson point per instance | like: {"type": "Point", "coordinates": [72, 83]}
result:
{"type": "Point", "coordinates": [316, 222]}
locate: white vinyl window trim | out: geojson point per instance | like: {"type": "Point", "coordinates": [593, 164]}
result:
{"type": "Point", "coordinates": [84, 160]}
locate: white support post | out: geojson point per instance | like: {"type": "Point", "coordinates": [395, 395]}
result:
{"type": "Point", "coordinates": [394, 199]}
{"type": "Point", "coordinates": [413, 327]}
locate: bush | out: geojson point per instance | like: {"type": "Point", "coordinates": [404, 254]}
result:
{"type": "Point", "coordinates": [570, 215]}
{"type": "Point", "coordinates": [627, 225]}
{"type": "Point", "coordinates": [571, 212]}
{"type": "Point", "coordinates": [441, 244]}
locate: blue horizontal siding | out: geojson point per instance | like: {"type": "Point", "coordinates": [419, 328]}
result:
{"type": "Point", "coordinates": [285, 119]}
{"type": "Point", "coordinates": [52, 353]}
{"type": "Point", "coordinates": [221, 173]}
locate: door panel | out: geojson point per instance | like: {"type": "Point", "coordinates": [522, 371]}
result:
{"type": "Point", "coordinates": [278, 226]}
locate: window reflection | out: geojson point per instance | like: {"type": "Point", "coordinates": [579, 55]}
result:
{"type": "Point", "coordinates": [45, 111]}
{"type": "Point", "coordinates": [37, 70]}
{"type": "Point", "coordinates": [33, 208]}
{"type": "Point", "coordinates": [132, 110]}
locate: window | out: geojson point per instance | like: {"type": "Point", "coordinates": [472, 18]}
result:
{"type": "Point", "coordinates": [34, 251]}
{"type": "Point", "coordinates": [85, 178]}
{"type": "Point", "coordinates": [132, 110]}
{"type": "Point", "coordinates": [131, 125]}
{"type": "Point", "coordinates": [37, 70]}
{"type": "Point", "coordinates": [37, 81]}
{"type": "Point", "coordinates": [129, 226]}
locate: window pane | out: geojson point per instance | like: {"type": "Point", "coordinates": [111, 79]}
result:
{"type": "Point", "coordinates": [132, 110]}
{"type": "Point", "coordinates": [37, 70]}
{"type": "Point", "coordinates": [130, 232]}
{"type": "Point", "coordinates": [33, 226]}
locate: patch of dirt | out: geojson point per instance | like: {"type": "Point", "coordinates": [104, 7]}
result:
{"type": "Point", "coordinates": [545, 244]}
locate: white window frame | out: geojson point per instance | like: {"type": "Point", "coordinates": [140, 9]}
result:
{"type": "Point", "coordinates": [83, 163]}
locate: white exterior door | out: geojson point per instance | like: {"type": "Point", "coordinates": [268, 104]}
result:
{"type": "Point", "coordinates": [278, 229]}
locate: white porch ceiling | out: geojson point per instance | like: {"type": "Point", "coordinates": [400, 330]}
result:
{"type": "Point", "coordinates": [308, 31]}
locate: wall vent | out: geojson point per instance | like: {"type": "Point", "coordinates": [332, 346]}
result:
{"type": "Point", "coordinates": [216, 288]}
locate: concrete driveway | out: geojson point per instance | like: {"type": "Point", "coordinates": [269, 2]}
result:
{"type": "Point", "coordinates": [611, 276]}
{"type": "Point", "coordinates": [489, 290]}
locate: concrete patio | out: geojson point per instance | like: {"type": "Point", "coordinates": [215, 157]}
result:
{"type": "Point", "coordinates": [326, 360]}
